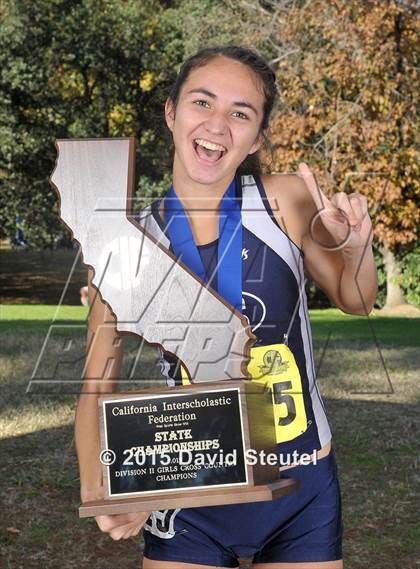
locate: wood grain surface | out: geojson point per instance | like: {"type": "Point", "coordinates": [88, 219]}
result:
{"type": "Point", "coordinates": [191, 499]}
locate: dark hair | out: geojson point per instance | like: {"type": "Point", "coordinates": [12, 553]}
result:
{"type": "Point", "coordinates": [250, 58]}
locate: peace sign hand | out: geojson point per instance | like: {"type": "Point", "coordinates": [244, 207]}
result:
{"type": "Point", "coordinates": [345, 217]}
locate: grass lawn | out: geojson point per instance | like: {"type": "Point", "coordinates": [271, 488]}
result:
{"type": "Point", "coordinates": [367, 370]}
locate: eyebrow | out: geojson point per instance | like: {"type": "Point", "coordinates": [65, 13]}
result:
{"type": "Point", "coordinates": [243, 104]}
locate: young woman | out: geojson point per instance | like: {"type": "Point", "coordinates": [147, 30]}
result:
{"type": "Point", "coordinates": [218, 113]}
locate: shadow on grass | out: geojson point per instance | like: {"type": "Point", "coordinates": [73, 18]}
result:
{"type": "Point", "coordinates": [40, 493]}
{"type": "Point", "coordinates": [39, 277]}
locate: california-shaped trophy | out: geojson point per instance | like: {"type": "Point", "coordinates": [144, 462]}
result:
{"type": "Point", "coordinates": [190, 445]}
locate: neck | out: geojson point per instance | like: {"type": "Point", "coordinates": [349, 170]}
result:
{"type": "Point", "coordinates": [197, 196]}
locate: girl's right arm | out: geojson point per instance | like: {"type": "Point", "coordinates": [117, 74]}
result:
{"type": "Point", "coordinates": [103, 366]}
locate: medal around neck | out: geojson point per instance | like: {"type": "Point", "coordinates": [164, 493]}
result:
{"type": "Point", "coordinates": [178, 446]}
{"type": "Point", "coordinates": [229, 247]}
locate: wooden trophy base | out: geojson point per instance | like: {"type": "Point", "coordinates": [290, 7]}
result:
{"type": "Point", "coordinates": [226, 419]}
{"type": "Point", "coordinates": [190, 499]}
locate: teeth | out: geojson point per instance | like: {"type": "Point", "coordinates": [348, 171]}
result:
{"type": "Point", "coordinates": [209, 145]}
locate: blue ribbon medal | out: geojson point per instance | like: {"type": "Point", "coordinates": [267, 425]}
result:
{"type": "Point", "coordinates": [229, 247]}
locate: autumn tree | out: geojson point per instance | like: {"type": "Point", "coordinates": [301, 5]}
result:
{"type": "Point", "coordinates": [348, 78]}
{"type": "Point", "coordinates": [348, 74]}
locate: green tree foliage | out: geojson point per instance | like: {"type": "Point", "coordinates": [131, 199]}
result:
{"type": "Point", "coordinates": [409, 280]}
{"type": "Point", "coordinates": [76, 69]}
{"type": "Point", "coordinates": [210, 23]}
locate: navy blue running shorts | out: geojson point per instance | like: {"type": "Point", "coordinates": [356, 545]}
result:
{"type": "Point", "coordinates": [303, 526]}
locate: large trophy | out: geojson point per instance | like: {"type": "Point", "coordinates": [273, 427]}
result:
{"type": "Point", "coordinates": [170, 447]}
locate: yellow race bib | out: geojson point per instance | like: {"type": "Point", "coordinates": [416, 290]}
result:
{"type": "Point", "coordinates": [275, 367]}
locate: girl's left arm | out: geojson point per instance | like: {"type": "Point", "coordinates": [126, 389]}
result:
{"type": "Point", "coordinates": [337, 244]}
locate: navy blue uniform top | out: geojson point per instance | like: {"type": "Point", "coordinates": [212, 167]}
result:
{"type": "Point", "coordinates": [274, 301]}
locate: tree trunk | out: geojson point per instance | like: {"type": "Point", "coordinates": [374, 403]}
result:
{"type": "Point", "coordinates": [394, 293]}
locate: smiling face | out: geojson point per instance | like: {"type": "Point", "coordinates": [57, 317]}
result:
{"type": "Point", "coordinates": [216, 123]}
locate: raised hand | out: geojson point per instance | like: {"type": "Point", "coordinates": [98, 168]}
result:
{"type": "Point", "coordinates": [345, 217]}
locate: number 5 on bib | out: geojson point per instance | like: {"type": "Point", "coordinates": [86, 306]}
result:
{"type": "Point", "coordinates": [276, 367]}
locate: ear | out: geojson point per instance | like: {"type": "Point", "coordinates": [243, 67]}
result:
{"type": "Point", "coordinates": [169, 113]}
{"type": "Point", "coordinates": [258, 142]}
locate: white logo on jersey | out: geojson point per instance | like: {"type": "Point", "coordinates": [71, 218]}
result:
{"type": "Point", "coordinates": [162, 523]}
{"type": "Point", "coordinates": [245, 254]}
{"type": "Point", "coordinates": [262, 306]}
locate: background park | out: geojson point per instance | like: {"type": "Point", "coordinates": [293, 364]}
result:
{"type": "Point", "coordinates": [348, 73]}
